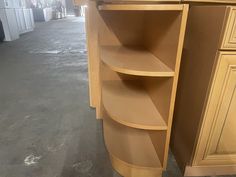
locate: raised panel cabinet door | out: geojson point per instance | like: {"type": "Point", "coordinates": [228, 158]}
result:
{"type": "Point", "coordinates": [229, 34]}
{"type": "Point", "coordinates": [217, 143]}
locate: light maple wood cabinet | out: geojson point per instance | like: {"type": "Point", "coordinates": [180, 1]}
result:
{"type": "Point", "coordinates": [135, 52]}
{"type": "Point", "coordinates": [204, 135]}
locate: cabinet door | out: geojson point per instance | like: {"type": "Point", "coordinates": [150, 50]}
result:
{"type": "Point", "coordinates": [217, 142]}
{"type": "Point", "coordinates": [229, 32]}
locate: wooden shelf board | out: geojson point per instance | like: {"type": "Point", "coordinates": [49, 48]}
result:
{"type": "Point", "coordinates": [129, 104]}
{"type": "Point", "coordinates": [134, 61]}
{"type": "Point", "coordinates": [143, 7]}
{"type": "Point", "coordinates": [131, 146]}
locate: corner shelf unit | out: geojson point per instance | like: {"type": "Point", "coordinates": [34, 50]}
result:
{"type": "Point", "coordinates": [140, 49]}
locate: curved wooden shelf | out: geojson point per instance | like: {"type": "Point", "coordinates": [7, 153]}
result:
{"type": "Point", "coordinates": [134, 61]}
{"type": "Point", "coordinates": [131, 150]}
{"type": "Point", "coordinates": [130, 105]}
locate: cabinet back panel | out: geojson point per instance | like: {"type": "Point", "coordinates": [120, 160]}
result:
{"type": "Point", "coordinates": [162, 35]}
{"type": "Point", "coordinates": [121, 28]}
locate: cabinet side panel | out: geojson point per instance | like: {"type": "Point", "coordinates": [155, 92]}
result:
{"type": "Point", "coordinates": [201, 44]}
{"type": "Point", "coordinates": [91, 17]}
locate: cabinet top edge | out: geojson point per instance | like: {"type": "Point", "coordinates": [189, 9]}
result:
{"type": "Point", "coordinates": [142, 7]}
{"type": "Point", "coordinates": [167, 2]}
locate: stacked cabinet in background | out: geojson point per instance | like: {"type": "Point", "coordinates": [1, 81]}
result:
{"type": "Point", "coordinates": [139, 52]}
{"type": "Point", "coordinates": [16, 18]}
{"type": "Point", "coordinates": [9, 22]}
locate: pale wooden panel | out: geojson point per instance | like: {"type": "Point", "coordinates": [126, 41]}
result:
{"type": "Point", "coordinates": [227, 140]}
{"type": "Point", "coordinates": [130, 7]}
{"type": "Point", "coordinates": [132, 146]}
{"type": "Point", "coordinates": [229, 37]}
{"type": "Point", "coordinates": [91, 19]}
{"type": "Point", "coordinates": [161, 35]}
{"type": "Point", "coordinates": [121, 28]}
{"type": "Point", "coordinates": [128, 103]}
{"type": "Point", "coordinates": [133, 61]}
{"type": "Point", "coordinates": [201, 43]}
{"type": "Point", "coordinates": [131, 171]}
{"type": "Point", "coordinates": [159, 90]}
{"type": "Point", "coordinates": [106, 74]}
{"type": "Point", "coordinates": [158, 139]}
{"type": "Point", "coordinates": [80, 2]}
{"type": "Point", "coordinates": [217, 141]}
{"type": "Point", "coordinates": [210, 170]}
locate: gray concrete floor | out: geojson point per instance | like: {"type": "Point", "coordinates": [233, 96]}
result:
{"type": "Point", "coordinates": [46, 126]}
